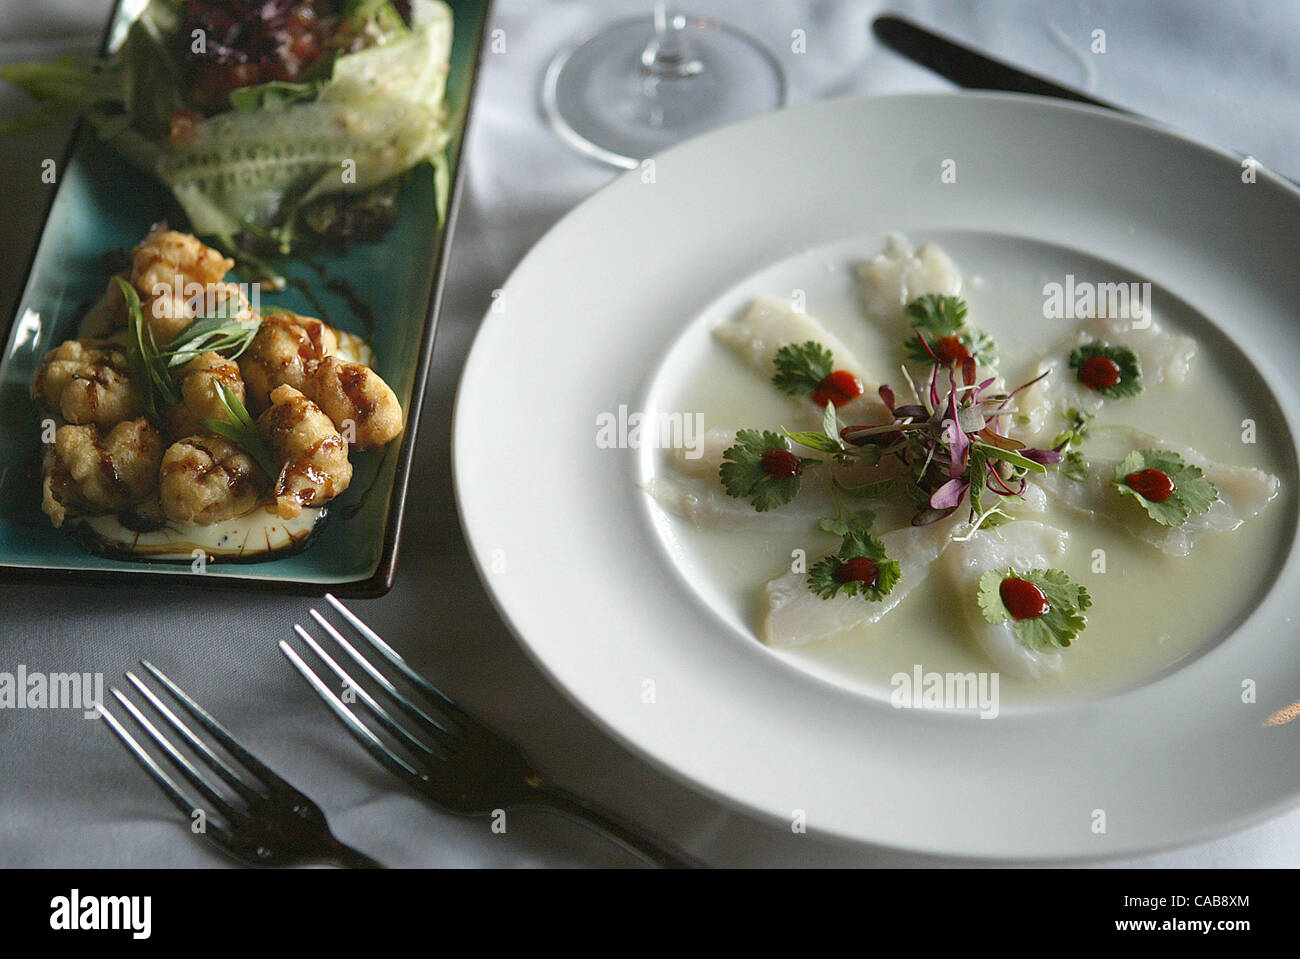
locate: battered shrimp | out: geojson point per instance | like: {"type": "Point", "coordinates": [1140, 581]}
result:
{"type": "Point", "coordinates": [162, 267]}
{"type": "Point", "coordinates": [205, 479]}
{"type": "Point", "coordinates": [168, 257]}
{"type": "Point", "coordinates": [284, 351]}
{"type": "Point", "coordinates": [86, 381]}
{"type": "Point", "coordinates": [89, 472]}
{"type": "Point", "coordinates": [356, 399]}
{"type": "Point", "coordinates": [199, 397]}
{"type": "Point", "coordinates": [312, 453]}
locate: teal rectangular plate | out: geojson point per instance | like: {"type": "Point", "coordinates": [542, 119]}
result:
{"type": "Point", "coordinates": [102, 205]}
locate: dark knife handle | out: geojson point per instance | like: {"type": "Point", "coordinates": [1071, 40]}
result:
{"type": "Point", "coordinates": [973, 70]}
{"type": "Point", "coordinates": [969, 68]}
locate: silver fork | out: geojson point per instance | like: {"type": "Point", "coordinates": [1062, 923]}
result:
{"type": "Point", "coordinates": [259, 819]}
{"type": "Point", "coordinates": [440, 750]}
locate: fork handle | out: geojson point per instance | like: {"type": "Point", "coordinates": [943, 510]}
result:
{"type": "Point", "coordinates": [632, 838]}
{"type": "Point", "coordinates": [345, 857]}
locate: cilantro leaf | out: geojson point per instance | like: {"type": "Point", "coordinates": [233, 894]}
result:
{"type": "Point", "coordinates": [743, 474]}
{"type": "Point", "coordinates": [855, 545]}
{"type": "Point", "coordinates": [801, 369]}
{"type": "Point", "coordinates": [1193, 493]}
{"type": "Point", "coordinates": [1130, 370]}
{"type": "Point", "coordinates": [849, 523]}
{"type": "Point", "coordinates": [1058, 627]}
{"type": "Point", "coordinates": [941, 315]}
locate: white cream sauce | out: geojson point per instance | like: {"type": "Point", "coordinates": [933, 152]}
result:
{"type": "Point", "coordinates": [1151, 611]}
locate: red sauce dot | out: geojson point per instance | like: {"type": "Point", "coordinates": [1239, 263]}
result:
{"type": "Point", "coordinates": [780, 463]}
{"type": "Point", "coordinates": [860, 570]}
{"type": "Point", "coordinates": [1151, 484]}
{"type": "Point", "coordinates": [1023, 599]}
{"type": "Point", "coordinates": [950, 350]}
{"type": "Point", "coordinates": [1099, 373]}
{"type": "Point", "coordinates": [838, 388]}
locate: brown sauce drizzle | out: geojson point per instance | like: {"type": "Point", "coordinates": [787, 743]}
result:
{"type": "Point", "coordinates": [352, 378]}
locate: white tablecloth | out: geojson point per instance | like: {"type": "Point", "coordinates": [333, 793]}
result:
{"type": "Point", "coordinates": [69, 796]}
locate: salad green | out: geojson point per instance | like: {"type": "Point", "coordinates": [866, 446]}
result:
{"type": "Point", "coordinates": [272, 166]}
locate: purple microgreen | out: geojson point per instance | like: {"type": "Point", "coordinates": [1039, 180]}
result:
{"type": "Point", "coordinates": [1025, 386]}
{"type": "Point", "coordinates": [1046, 457]}
{"type": "Point", "coordinates": [948, 496]}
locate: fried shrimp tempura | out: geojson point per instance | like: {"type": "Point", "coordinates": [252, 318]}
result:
{"type": "Point", "coordinates": [312, 454]}
{"type": "Point", "coordinates": [86, 381]}
{"type": "Point", "coordinates": [89, 472]}
{"type": "Point", "coordinates": [200, 399]}
{"type": "Point", "coordinates": [283, 353]}
{"type": "Point", "coordinates": [206, 479]}
{"type": "Point", "coordinates": [355, 395]}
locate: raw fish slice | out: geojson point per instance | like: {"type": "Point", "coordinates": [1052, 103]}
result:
{"type": "Point", "coordinates": [899, 275]}
{"type": "Point", "coordinates": [769, 324]}
{"type": "Point", "coordinates": [794, 615]}
{"type": "Point", "coordinates": [1022, 545]}
{"type": "Point", "coordinates": [705, 503]}
{"type": "Point", "coordinates": [1243, 492]}
{"type": "Point", "coordinates": [1164, 357]}
{"type": "Point", "coordinates": [712, 444]}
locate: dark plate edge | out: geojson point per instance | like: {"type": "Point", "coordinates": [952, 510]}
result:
{"type": "Point", "coordinates": [381, 580]}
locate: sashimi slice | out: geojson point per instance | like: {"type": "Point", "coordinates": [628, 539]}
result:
{"type": "Point", "coordinates": [769, 324]}
{"type": "Point", "coordinates": [1022, 545]}
{"type": "Point", "coordinates": [1164, 357]}
{"type": "Point", "coordinates": [1243, 492]}
{"type": "Point", "coordinates": [794, 615]}
{"type": "Point", "coordinates": [707, 505]}
{"type": "Point", "coordinates": [899, 275]}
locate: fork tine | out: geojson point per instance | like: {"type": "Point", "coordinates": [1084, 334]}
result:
{"type": "Point", "coordinates": [223, 768]}
{"type": "Point", "coordinates": [195, 778]}
{"type": "Point", "coordinates": [385, 720]}
{"type": "Point", "coordinates": [219, 733]}
{"type": "Point", "coordinates": [368, 740]}
{"type": "Point", "coordinates": [414, 710]}
{"type": "Point", "coordinates": [394, 657]}
{"type": "Point", "coordinates": [159, 775]}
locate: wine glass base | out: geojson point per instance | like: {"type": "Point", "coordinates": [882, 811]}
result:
{"type": "Point", "coordinates": [600, 99]}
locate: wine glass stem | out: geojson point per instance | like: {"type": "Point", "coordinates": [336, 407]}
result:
{"type": "Point", "coordinates": [668, 54]}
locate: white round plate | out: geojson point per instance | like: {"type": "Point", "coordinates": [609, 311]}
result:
{"type": "Point", "coordinates": [573, 554]}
